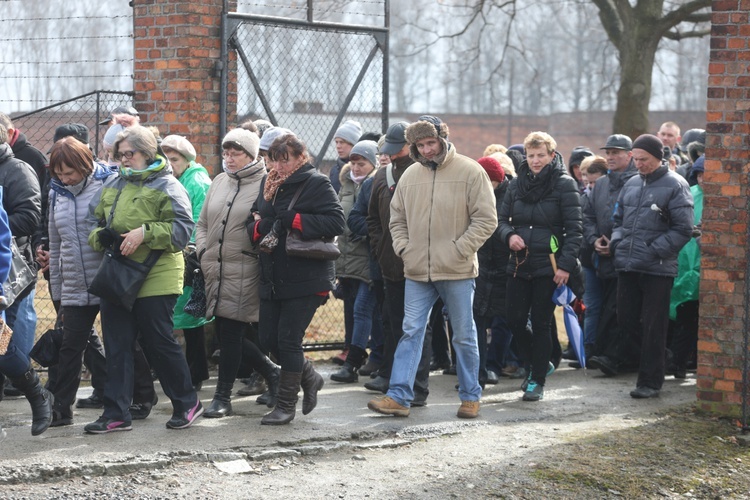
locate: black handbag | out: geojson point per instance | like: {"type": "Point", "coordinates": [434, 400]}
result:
{"type": "Point", "coordinates": [196, 305]}
{"type": "Point", "coordinates": [119, 279]}
{"type": "Point", "coordinates": [46, 351]}
{"type": "Point", "coordinates": [21, 279]}
{"type": "Point", "coordinates": [318, 248]}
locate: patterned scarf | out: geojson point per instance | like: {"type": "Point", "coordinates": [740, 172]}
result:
{"type": "Point", "coordinates": [273, 180]}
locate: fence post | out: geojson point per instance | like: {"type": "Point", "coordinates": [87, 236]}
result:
{"type": "Point", "coordinates": [177, 47]}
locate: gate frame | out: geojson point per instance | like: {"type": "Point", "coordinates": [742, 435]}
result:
{"type": "Point", "coordinates": [232, 20]}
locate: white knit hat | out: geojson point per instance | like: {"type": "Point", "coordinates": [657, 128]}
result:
{"type": "Point", "coordinates": [181, 145]}
{"type": "Point", "coordinates": [243, 139]}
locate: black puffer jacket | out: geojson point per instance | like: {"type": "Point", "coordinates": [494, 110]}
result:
{"type": "Point", "coordinates": [647, 240]}
{"type": "Point", "coordinates": [22, 200]}
{"type": "Point", "coordinates": [598, 215]}
{"type": "Point", "coordinates": [284, 277]}
{"type": "Point", "coordinates": [537, 208]}
{"type": "Point", "coordinates": [489, 295]}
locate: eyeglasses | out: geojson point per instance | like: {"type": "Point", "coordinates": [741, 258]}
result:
{"type": "Point", "coordinates": [124, 154]}
{"type": "Point", "coordinates": [232, 154]}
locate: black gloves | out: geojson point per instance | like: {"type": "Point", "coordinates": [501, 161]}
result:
{"type": "Point", "coordinates": [287, 218]}
{"type": "Point", "coordinates": [109, 238]}
{"type": "Point", "coordinates": [264, 226]}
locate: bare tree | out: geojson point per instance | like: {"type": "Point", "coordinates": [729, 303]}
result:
{"type": "Point", "coordinates": [635, 31]}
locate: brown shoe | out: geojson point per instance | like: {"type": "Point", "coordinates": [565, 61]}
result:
{"type": "Point", "coordinates": [469, 409]}
{"type": "Point", "coordinates": [388, 406]}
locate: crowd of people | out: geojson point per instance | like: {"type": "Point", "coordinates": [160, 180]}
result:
{"type": "Point", "coordinates": [432, 245]}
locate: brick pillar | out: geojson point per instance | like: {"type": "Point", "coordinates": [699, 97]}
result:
{"type": "Point", "coordinates": [725, 217]}
{"type": "Point", "coordinates": [177, 82]}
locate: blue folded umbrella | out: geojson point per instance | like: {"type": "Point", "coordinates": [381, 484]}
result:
{"type": "Point", "coordinates": [563, 296]}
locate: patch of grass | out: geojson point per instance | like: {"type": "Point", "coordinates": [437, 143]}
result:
{"type": "Point", "coordinates": [679, 453]}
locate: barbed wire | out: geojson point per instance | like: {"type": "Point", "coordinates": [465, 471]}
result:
{"type": "Point", "coordinates": [87, 18]}
{"type": "Point", "coordinates": [69, 61]}
{"type": "Point", "coordinates": [52, 77]}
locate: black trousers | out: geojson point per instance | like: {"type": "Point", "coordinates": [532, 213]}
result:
{"type": "Point", "coordinates": [612, 340]}
{"type": "Point", "coordinates": [643, 312]}
{"type": "Point", "coordinates": [532, 299]}
{"type": "Point", "coordinates": [195, 352]}
{"type": "Point", "coordinates": [394, 298]}
{"type": "Point", "coordinates": [236, 349]}
{"type": "Point", "coordinates": [77, 340]}
{"type": "Point", "coordinates": [685, 334]}
{"type": "Point", "coordinates": [282, 324]}
{"type": "Point", "coordinates": [151, 320]}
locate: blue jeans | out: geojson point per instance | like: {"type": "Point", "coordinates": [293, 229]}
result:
{"type": "Point", "coordinates": [458, 297]}
{"type": "Point", "coordinates": [21, 318]}
{"type": "Point", "coordinates": [13, 363]}
{"type": "Point", "coordinates": [592, 298]}
{"type": "Point", "coordinates": [365, 314]}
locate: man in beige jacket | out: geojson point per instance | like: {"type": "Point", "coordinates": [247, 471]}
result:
{"type": "Point", "coordinates": [442, 211]}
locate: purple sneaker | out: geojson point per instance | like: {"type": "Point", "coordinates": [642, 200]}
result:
{"type": "Point", "coordinates": [186, 419]}
{"type": "Point", "coordinates": [105, 425]}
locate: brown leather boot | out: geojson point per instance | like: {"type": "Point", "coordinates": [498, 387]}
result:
{"type": "Point", "coordinates": [312, 382]}
{"type": "Point", "coordinates": [286, 403]}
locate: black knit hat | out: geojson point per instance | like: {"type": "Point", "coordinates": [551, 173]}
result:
{"type": "Point", "coordinates": [650, 144]}
{"type": "Point", "coordinates": [578, 154]}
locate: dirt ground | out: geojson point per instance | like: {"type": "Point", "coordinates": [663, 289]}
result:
{"type": "Point", "coordinates": [621, 449]}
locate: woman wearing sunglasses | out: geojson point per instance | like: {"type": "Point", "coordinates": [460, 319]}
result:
{"type": "Point", "coordinates": [540, 220]}
{"type": "Point", "coordinates": [143, 209]}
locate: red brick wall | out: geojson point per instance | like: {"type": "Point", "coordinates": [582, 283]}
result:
{"type": "Point", "coordinates": [724, 243]}
{"type": "Point", "coordinates": [177, 45]}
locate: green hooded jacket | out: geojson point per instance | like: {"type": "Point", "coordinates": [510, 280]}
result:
{"type": "Point", "coordinates": [155, 200]}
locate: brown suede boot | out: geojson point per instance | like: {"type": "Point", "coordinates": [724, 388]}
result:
{"type": "Point", "coordinates": [286, 403]}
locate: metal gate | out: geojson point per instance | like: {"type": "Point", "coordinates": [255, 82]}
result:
{"type": "Point", "coordinates": [309, 77]}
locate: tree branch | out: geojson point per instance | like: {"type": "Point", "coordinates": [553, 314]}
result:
{"type": "Point", "coordinates": [611, 21]}
{"type": "Point", "coordinates": [682, 13]}
{"type": "Point", "coordinates": [677, 35]}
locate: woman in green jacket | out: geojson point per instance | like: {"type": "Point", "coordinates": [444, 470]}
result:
{"type": "Point", "coordinates": [194, 178]}
{"type": "Point", "coordinates": [143, 209]}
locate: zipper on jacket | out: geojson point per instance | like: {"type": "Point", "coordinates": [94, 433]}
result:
{"type": "Point", "coordinates": [429, 227]}
{"type": "Point", "coordinates": [637, 214]}
{"type": "Point", "coordinates": [221, 245]}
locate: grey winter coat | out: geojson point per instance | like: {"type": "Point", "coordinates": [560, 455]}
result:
{"type": "Point", "coordinates": [228, 259]}
{"type": "Point", "coordinates": [73, 263]}
{"type": "Point", "coordinates": [598, 215]}
{"type": "Point", "coordinates": [646, 240]}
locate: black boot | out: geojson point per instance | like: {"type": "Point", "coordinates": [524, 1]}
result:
{"type": "Point", "coordinates": [311, 383]}
{"type": "Point", "coordinates": [39, 398]}
{"type": "Point", "coordinates": [348, 372]}
{"type": "Point", "coordinates": [255, 385]}
{"type": "Point", "coordinates": [271, 373]}
{"type": "Point", "coordinates": [286, 404]}
{"type": "Point", "coordinates": [221, 405]}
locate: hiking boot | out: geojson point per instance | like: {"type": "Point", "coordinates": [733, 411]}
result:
{"type": "Point", "coordinates": [569, 354]}
{"type": "Point", "coordinates": [369, 368]}
{"type": "Point", "coordinates": [255, 385]}
{"type": "Point", "coordinates": [140, 411]}
{"type": "Point", "coordinates": [186, 419]}
{"type": "Point", "coordinates": [347, 374]}
{"type": "Point", "coordinates": [644, 393]}
{"type": "Point", "coordinates": [104, 425]}
{"type": "Point", "coordinates": [387, 406]}
{"type": "Point", "coordinates": [379, 384]}
{"type": "Point", "coordinates": [59, 420]}
{"type": "Point", "coordinates": [420, 399]}
{"type": "Point", "coordinates": [608, 366]}
{"type": "Point", "coordinates": [93, 401]}
{"type": "Point", "coordinates": [468, 409]}
{"type": "Point", "coordinates": [534, 392]}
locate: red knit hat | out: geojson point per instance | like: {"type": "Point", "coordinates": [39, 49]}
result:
{"type": "Point", "coordinates": [493, 168]}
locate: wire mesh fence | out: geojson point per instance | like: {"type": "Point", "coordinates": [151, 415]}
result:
{"type": "Point", "coordinates": [309, 80]}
